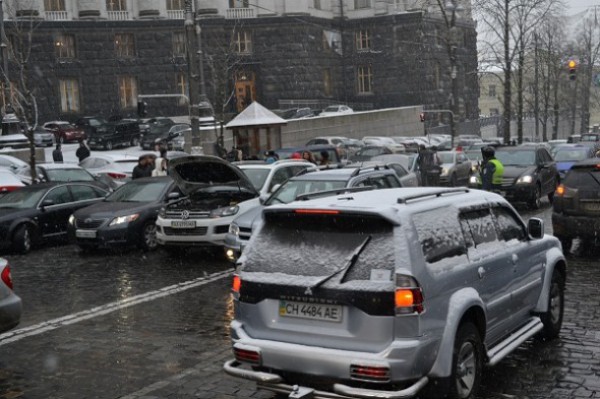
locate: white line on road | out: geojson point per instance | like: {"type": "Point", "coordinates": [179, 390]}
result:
{"type": "Point", "coordinates": [50, 325]}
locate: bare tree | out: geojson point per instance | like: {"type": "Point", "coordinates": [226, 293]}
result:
{"type": "Point", "coordinates": [588, 42]}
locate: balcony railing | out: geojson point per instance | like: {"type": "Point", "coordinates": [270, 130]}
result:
{"type": "Point", "coordinates": [176, 14]}
{"type": "Point", "coordinates": [118, 15]}
{"type": "Point", "coordinates": [239, 13]}
{"type": "Point", "coordinates": [57, 16]}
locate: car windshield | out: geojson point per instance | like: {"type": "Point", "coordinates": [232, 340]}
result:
{"type": "Point", "coordinates": [589, 137]}
{"type": "Point", "coordinates": [22, 198]}
{"type": "Point", "coordinates": [293, 188]}
{"type": "Point", "coordinates": [331, 109]}
{"type": "Point", "coordinates": [446, 157]}
{"type": "Point", "coordinates": [516, 158]}
{"type": "Point", "coordinates": [68, 175]}
{"type": "Point", "coordinates": [571, 155]}
{"type": "Point", "coordinates": [257, 176]}
{"type": "Point", "coordinates": [474, 155]}
{"type": "Point", "coordinates": [135, 191]}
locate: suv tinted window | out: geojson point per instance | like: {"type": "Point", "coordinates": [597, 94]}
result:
{"type": "Point", "coordinates": [580, 177]}
{"type": "Point", "coordinates": [509, 227]}
{"type": "Point", "coordinates": [478, 226]}
{"type": "Point", "coordinates": [439, 234]}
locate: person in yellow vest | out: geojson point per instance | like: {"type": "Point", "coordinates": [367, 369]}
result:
{"type": "Point", "coordinates": [491, 170]}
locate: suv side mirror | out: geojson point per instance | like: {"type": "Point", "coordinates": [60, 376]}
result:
{"type": "Point", "coordinates": [274, 188]}
{"type": "Point", "coordinates": [263, 198]}
{"type": "Point", "coordinates": [47, 202]}
{"type": "Point", "coordinates": [535, 228]}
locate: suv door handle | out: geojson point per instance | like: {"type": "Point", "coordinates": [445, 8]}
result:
{"type": "Point", "coordinates": [481, 272]}
{"type": "Point", "coordinates": [515, 259]}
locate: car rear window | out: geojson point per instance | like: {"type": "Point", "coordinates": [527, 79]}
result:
{"type": "Point", "coordinates": [440, 235]}
{"type": "Point", "coordinates": [583, 177]}
{"type": "Point", "coordinates": [318, 245]}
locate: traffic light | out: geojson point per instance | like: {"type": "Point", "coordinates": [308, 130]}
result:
{"type": "Point", "coordinates": [141, 109]}
{"type": "Point", "coordinates": [572, 64]}
{"type": "Point", "coordinates": [422, 116]}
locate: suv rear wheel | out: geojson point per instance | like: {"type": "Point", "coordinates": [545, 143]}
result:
{"type": "Point", "coordinates": [552, 318]}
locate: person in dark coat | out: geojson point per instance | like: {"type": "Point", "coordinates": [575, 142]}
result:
{"type": "Point", "coordinates": [83, 151]}
{"type": "Point", "coordinates": [57, 155]}
{"type": "Point", "coordinates": [143, 168]}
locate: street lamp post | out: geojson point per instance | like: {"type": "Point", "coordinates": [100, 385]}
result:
{"type": "Point", "coordinates": [4, 51]}
{"type": "Point", "coordinates": [192, 138]}
{"type": "Point", "coordinates": [452, 44]}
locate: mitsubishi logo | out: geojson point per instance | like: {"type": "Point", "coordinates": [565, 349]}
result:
{"type": "Point", "coordinates": [185, 214]}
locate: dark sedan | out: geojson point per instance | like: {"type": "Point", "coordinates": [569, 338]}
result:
{"type": "Point", "coordinates": [126, 217]}
{"type": "Point", "coordinates": [40, 212]}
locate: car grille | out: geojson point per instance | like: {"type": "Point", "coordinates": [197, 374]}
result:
{"type": "Point", "coordinates": [197, 231]}
{"type": "Point", "coordinates": [245, 233]}
{"type": "Point", "coordinates": [223, 229]}
{"type": "Point", "coordinates": [190, 214]}
{"type": "Point", "coordinates": [508, 181]}
{"type": "Point", "coordinates": [89, 223]}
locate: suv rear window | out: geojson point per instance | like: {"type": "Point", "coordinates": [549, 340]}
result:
{"type": "Point", "coordinates": [440, 234]}
{"type": "Point", "coordinates": [321, 245]}
{"type": "Point", "coordinates": [582, 177]}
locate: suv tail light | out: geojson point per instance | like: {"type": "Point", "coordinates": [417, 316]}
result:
{"type": "Point", "coordinates": [236, 285]}
{"type": "Point", "coordinates": [408, 297]}
{"type": "Point", "coordinates": [6, 277]}
{"type": "Point", "coordinates": [560, 190]}
{"type": "Point", "coordinates": [246, 356]}
{"type": "Point", "coordinates": [370, 373]}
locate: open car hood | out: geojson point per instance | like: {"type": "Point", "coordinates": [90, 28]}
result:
{"type": "Point", "coordinates": [194, 172]}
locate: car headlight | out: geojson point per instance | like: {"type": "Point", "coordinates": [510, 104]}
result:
{"type": "Point", "coordinates": [444, 171]}
{"type": "Point", "coordinates": [527, 179]}
{"type": "Point", "coordinates": [225, 211]}
{"type": "Point", "coordinates": [473, 180]}
{"type": "Point", "coordinates": [162, 213]}
{"type": "Point", "coordinates": [72, 220]}
{"type": "Point", "coordinates": [124, 219]}
{"type": "Point", "coordinates": [234, 229]}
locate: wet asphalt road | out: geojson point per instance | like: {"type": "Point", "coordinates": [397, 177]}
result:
{"type": "Point", "coordinates": [155, 326]}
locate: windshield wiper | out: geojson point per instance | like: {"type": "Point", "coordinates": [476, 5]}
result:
{"type": "Point", "coordinates": [344, 269]}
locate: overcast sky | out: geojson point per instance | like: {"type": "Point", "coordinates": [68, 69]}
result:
{"type": "Point", "coordinates": [577, 6]}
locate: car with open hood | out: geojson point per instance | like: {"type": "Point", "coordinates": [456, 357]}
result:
{"type": "Point", "coordinates": [214, 193]}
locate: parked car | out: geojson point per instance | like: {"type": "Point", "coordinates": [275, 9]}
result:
{"type": "Point", "coordinates": [574, 138]}
{"type": "Point", "coordinates": [42, 137]}
{"type": "Point", "coordinates": [9, 181]}
{"type": "Point", "coordinates": [107, 135]}
{"type": "Point", "coordinates": [125, 217]}
{"type": "Point", "coordinates": [333, 153]}
{"type": "Point", "coordinates": [566, 157]}
{"type": "Point", "coordinates": [576, 206]}
{"type": "Point", "coordinates": [177, 143]}
{"type": "Point", "coordinates": [392, 293]}
{"type": "Point", "coordinates": [113, 166]}
{"type": "Point", "coordinates": [14, 164]}
{"type": "Point", "coordinates": [215, 191]}
{"type": "Point", "coordinates": [382, 141]}
{"type": "Point", "coordinates": [297, 113]}
{"type": "Point", "coordinates": [334, 110]}
{"type": "Point", "coordinates": [529, 174]}
{"type": "Point", "coordinates": [265, 177]}
{"type": "Point", "coordinates": [456, 168]}
{"type": "Point", "coordinates": [62, 172]}
{"type": "Point", "coordinates": [146, 123]}
{"type": "Point", "coordinates": [162, 135]}
{"type": "Point", "coordinates": [10, 303]}
{"type": "Point", "coordinates": [405, 166]}
{"type": "Point", "coordinates": [40, 212]}
{"type": "Point", "coordinates": [327, 140]}
{"type": "Point", "coordinates": [349, 147]}
{"type": "Point", "coordinates": [369, 151]}
{"type": "Point", "coordinates": [327, 182]}
{"type": "Point", "coordinates": [64, 131]}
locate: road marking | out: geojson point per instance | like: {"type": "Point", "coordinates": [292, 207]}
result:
{"type": "Point", "coordinates": [50, 325]}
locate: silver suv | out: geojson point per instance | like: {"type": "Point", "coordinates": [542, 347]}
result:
{"type": "Point", "coordinates": [390, 293]}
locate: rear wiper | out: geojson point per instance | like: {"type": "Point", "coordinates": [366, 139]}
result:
{"type": "Point", "coordinates": [344, 269]}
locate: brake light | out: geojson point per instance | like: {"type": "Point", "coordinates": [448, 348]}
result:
{"type": "Point", "coordinates": [247, 356]}
{"type": "Point", "coordinates": [7, 189]}
{"type": "Point", "coordinates": [370, 373]}
{"type": "Point", "coordinates": [115, 175]}
{"type": "Point", "coordinates": [317, 211]}
{"type": "Point", "coordinates": [6, 277]}
{"type": "Point", "coordinates": [237, 284]}
{"type": "Point", "coordinates": [408, 297]}
{"type": "Point", "coordinates": [560, 190]}
{"type": "Point", "coordinates": [458, 148]}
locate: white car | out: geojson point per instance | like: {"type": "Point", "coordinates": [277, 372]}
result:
{"type": "Point", "coordinates": [327, 140]}
{"type": "Point", "coordinates": [8, 181]}
{"type": "Point", "coordinates": [336, 110]}
{"type": "Point", "coordinates": [114, 166]}
{"type": "Point", "coordinates": [384, 141]}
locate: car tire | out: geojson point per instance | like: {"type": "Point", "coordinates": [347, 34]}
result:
{"type": "Point", "coordinates": [552, 319]}
{"type": "Point", "coordinates": [108, 145]}
{"type": "Point", "coordinates": [148, 238]}
{"type": "Point", "coordinates": [536, 200]}
{"type": "Point", "coordinates": [135, 142]}
{"type": "Point", "coordinates": [22, 241]}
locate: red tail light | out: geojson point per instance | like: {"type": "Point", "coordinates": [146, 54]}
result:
{"type": "Point", "coordinates": [408, 297]}
{"type": "Point", "coordinates": [317, 211]}
{"type": "Point", "coordinates": [237, 284]}
{"type": "Point", "coordinates": [458, 148]}
{"type": "Point", "coordinates": [6, 277]}
{"type": "Point", "coordinates": [370, 373]}
{"type": "Point", "coordinates": [7, 189]}
{"type": "Point", "coordinates": [246, 356]}
{"type": "Point", "coordinates": [560, 190]}
{"type": "Point", "coordinates": [115, 175]}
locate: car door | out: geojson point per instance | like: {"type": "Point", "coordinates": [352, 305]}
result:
{"type": "Point", "coordinates": [546, 170]}
{"type": "Point", "coordinates": [55, 208]}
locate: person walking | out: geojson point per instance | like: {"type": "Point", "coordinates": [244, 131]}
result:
{"type": "Point", "coordinates": [491, 170]}
{"type": "Point", "coordinates": [425, 162]}
{"type": "Point", "coordinates": [57, 155]}
{"type": "Point", "coordinates": [83, 151]}
{"type": "Point", "coordinates": [309, 157]}
{"type": "Point", "coordinates": [143, 168]}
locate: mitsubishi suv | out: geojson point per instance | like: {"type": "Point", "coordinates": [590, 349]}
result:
{"type": "Point", "coordinates": [391, 293]}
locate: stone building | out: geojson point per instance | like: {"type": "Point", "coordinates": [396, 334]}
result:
{"type": "Point", "coordinates": [97, 56]}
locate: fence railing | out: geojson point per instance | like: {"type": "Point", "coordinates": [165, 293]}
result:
{"type": "Point", "coordinates": [56, 15]}
{"type": "Point", "coordinates": [176, 14]}
{"type": "Point", "coordinates": [239, 13]}
{"type": "Point", "coordinates": [118, 15]}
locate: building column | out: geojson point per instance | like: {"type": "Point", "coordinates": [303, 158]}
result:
{"type": "Point", "coordinates": [90, 9]}
{"type": "Point", "coordinates": [149, 9]}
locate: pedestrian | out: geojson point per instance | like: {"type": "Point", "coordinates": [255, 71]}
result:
{"type": "Point", "coordinates": [324, 158]}
{"type": "Point", "coordinates": [270, 156]}
{"type": "Point", "coordinates": [160, 167]}
{"type": "Point", "coordinates": [491, 170]}
{"type": "Point", "coordinates": [143, 168]}
{"type": "Point", "coordinates": [57, 155]}
{"type": "Point", "coordinates": [83, 151]}
{"type": "Point", "coordinates": [234, 155]}
{"type": "Point", "coordinates": [425, 162]}
{"type": "Point", "coordinates": [309, 157]}
{"type": "Point", "coordinates": [163, 155]}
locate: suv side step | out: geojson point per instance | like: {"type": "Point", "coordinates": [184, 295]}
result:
{"type": "Point", "coordinates": [515, 339]}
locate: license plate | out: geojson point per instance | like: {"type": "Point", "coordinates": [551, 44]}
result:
{"type": "Point", "coordinates": [314, 311]}
{"type": "Point", "coordinates": [183, 224]}
{"type": "Point", "coordinates": [85, 233]}
{"type": "Point", "coordinates": [592, 206]}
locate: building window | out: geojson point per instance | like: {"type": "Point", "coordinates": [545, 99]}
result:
{"type": "Point", "coordinates": [327, 82]}
{"type": "Point", "coordinates": [317, 4]}
{"type": "Point", "coordinates": [175, 5]}
{"type": "Point", "coordinates": [182, 87]}
{"type": "Point", "coordinates": [127, 91]}
{"type": "Point", "coordinates": [64, 46]}
{"type": "Point", "coordinates": [365, 79]}
{"type": "Point", "coordinates": [116, 5]}
{"type": "Point", "coordinates": [358, 4]}
{"type": "Point", "coordinates": [69, 95]}
{"type": "Point", "coordinates": [54, 5]}
{"type": "Point", "coordinates": [363, 40]}
{"type": "Point", "coordinates": [492, 91]}
{"type": "Point", "coordinates": [242, 42]}
{"type": "Point", "coordinates": [239, 3]}
{"type": "Point", "coordinates": [178, 44]}
{"type": "Point", "coordinates": [124, 46]}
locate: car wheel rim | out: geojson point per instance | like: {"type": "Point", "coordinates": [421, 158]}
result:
{"type": "Point", "coordinates": [465, 369]}
{"type": "Point", "coordinates": [555, 303]}
{"type": "Point", "coordinates": [150, 236]}
{"type": "Point", "coordinates": [26, 240]}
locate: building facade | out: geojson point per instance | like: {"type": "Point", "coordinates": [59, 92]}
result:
{"type": "Point", "coordinates": [97, 56]}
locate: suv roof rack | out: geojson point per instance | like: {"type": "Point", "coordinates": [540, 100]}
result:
{"type": "Point", "coordinates": [362, 168]}
{"type": "Point", "coordinates": [437, 194]}
{"type": "Point", "coordinates": [316, 194]}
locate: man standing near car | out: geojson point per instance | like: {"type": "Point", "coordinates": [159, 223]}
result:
{"type": "Point", "coordinates": [83, 151]}
{"type": "Point", "coordinates": [143, 168]}
{"type": "Point", "coordinates": [491, 170]}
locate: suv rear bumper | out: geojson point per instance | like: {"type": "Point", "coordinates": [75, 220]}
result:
{"type": "Point", "coordinates": [574, 226]}
{"type": "Point", "coordinates": [408, 360]}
